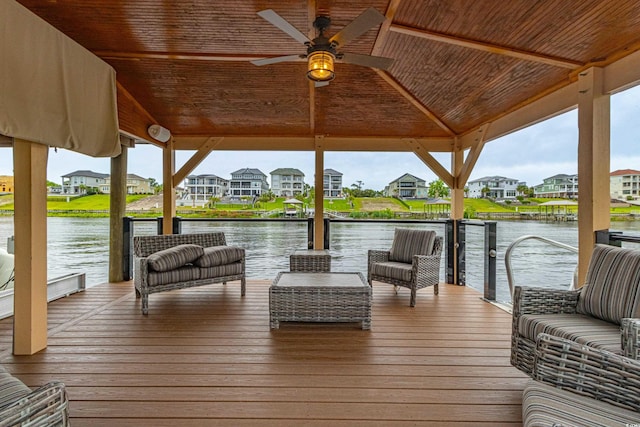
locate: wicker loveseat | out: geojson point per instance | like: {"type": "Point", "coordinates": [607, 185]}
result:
{"type": "Point", "coordinates": [576, 385]}
{"type": "Point", "coordinates": [19, 405]}
{"type": "Point", "coordinates": [602, 314]}
{"type": "Point", "coordinates": [412, 262]}
{"type": "Point", "coordinates": [178, 261]}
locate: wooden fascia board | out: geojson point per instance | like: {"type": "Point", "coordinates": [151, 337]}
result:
{"type": "Point", "coordinates": [486, 47]}
{"type": "Point", "coordinates": [307, 143]}
{"type": "Point", "coordinates": [133, 118]}
{"type": "Point", "coordinates": [622, 74]}
{"type": "Point", "coordinates": [181, 56]}
{"type": "Point", "coordinates": [414, 101]}
{"type": "Point", "coordinates": [196, 159]}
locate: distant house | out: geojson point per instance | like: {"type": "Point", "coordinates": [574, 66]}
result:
{"type": "Point", "coordinates": [6, 184]}
{"type": "Point", "coordinates": [201, 188]}
{"type": "Point", "coordinates": [561, 185]}
{"type": "Point", "coordinates": [407, 186]}
{"type": "Point", "coordinates": [625, 184]}
{"type": "Point", "coordinates": [332, 183]}
{"type": "Point", "coordinates": [79, 182]}
{"type": "Point", "coordinates": [287, 182]}
{"type": "Point", "coordinates": [135, 185]}
{"type": "Point", "coordinates": [498, 187]}
{"type": "Point", "coordinates": [248, 182]}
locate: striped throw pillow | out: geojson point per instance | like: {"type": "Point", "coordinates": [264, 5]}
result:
{"type": "Point", "coordinates": [172, 258]}
{"type": "Point", "coordinates": [219, 255]}
{"type": "Point", "coordinates": [612, 284]}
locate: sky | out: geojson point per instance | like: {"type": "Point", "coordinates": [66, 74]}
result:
{"type": "Point", "coordinates": [529, 155]}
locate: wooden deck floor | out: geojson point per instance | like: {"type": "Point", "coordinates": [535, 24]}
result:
{"type": "Point", "coordinates": [206, 356]}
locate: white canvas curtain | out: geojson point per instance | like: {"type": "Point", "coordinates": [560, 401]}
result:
{"type": "Point", "coordinates": [52, 90]}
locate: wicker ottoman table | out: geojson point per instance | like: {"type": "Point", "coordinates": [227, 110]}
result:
{"type": "Point", "coordinates": [320, 297]}
{"type": "Point", "coordinates": [310, 260]}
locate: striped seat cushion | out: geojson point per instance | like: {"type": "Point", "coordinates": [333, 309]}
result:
{"type": "Point", "coordinates": [221, 270]}
{"type": "Point", "coordinates": [408, 242]}
{"type": "Point", "coordinates": [613, 280]}
{"type": "Point", "coordinates": [174, 257]}
{"type": "Point", "coordinates": [181, 274]}
{"type": "Point", "coordinates": [544, 405]}
{"type": "Point", "coordinates": [219, 255]}
{"type": "Point", "coordinates": [394, 270]}
{"type": "Point", "coordinates": [576, 327]}
{"type": "Point", "coordinates": [11, 388]}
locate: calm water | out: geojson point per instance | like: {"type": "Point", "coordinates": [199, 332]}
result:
{"type": "Point", "coordinates": [82, 244]}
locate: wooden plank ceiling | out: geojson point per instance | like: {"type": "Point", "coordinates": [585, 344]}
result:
{"type": "Point", "coordinates": [458, 64]}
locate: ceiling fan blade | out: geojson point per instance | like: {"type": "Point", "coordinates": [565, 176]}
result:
{"type": "Point", "coordinates": [275, 60]}
{"type": "Point", "coordinates": [378, 62]}
{"type": "Point", "coordinates": [367, 19]}
{"type": "Point", "coordinates": [320, 84]}
{"type": "Point", "coordinates": [283, 25]}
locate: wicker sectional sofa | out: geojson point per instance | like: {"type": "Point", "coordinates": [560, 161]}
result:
{"type": "Point", "coordinates": [603, 314]}
{"type": "Point", "coordinates": [575, 385]}
{"type": "Point", "coordinates": [178, 261]}
{"type": "Point", "coordinates": [19, 405]}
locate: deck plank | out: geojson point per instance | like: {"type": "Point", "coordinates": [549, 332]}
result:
{"type": "Point", "coordinates": [207, 355]}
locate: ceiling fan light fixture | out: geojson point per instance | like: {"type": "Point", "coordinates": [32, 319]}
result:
{"type": "Point", "coordinates": [321, 66]}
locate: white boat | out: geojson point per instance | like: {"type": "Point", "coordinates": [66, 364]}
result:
{"type": "Point", "coordinates": [6, 270]}
{"type": "Point", "coordinates": [56, 288]}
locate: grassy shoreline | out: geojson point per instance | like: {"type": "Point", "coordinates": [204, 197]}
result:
{"type": "Point", "coordinates": [98, 206]}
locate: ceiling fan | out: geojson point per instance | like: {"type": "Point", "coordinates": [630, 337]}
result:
{"type": "Point", "coordinates": [322, 52]}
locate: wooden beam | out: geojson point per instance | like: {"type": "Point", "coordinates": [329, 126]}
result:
{"type": "Point", "coordinates": [202, 153]}
{"type": "Point", "coordinates": [318, 216]}
{"type": "Point", "coordinates": [305, 143]}
{"type": "Point", "coordinates": [414, 101]}
{"type": "Point", "coordinates": [474, 153]}
{"type": "Point", "coordinates": [6, 141]}
{"type": "Point", "coordinates": [392, 8]}
{"type": "Point", "coordinates": [486, 47]}
{"type": "Point", "coordinates": [168, 188]}
{"type": "Point", "coordinates": [432, 163]}
{"type": "Point", "coordinates": [594, 116]}
{"type": "Point", "coordinates": [117, 211]}
{"type": "Point", "coordinates": [30, 262]}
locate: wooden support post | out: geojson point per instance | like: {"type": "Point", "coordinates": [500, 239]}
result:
{"type": "Point", "coordinates": [318, 234]}
{"type": "Point", "coordinates": [457, 190]}
{"type": "Point", "coordinates": [168, 187]}
{"type": "Point", "coordinates": [117, 211]}
{"type": "Point", "coordinates": [30, 218]}
{"type": "Point", "coordinates": [594, 115]}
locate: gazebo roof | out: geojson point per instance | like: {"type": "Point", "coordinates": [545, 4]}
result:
{"type": "Point", "coordinates": [457, 66]}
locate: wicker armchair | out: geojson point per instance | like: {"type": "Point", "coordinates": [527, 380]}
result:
{"type": "Point", "coordinates": [600, 314]}
{"type": "Point", "coordinates": [413, 261]}
{"type": "Point", "coordinates": [578, 385]}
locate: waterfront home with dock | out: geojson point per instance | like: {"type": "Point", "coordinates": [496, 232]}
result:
{"type": "Point", "coordinates": [410, 76]}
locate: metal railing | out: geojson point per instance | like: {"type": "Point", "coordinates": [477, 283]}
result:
{"type": "Point", "coordinates": [515, 243]}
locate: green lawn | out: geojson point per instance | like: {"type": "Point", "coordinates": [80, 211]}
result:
{"type": "Point", "coordinates": [96, 202]}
